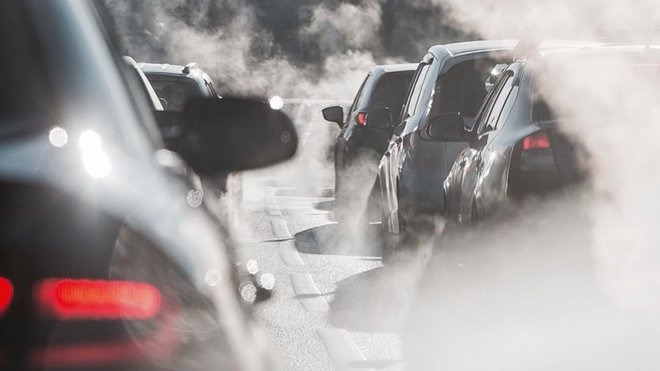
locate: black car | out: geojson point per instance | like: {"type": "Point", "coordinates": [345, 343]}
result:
{"type": "Point", "coordinates": [450, 78]}
{"type": "Point", "coordinates": [358, 147]}
{"type": "Point", "coordinates": [516, 148]}
{"type": "Point", "coordinates": [104, 261]}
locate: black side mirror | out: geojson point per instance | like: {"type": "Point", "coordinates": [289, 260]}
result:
{"type": "Point", "coordinates": [446, 127]}
{"type": "Point", "coordinates": [163, 102]}
{"type": "Point", "coordinates": [380, 118]}
{"type": "Point", "coordinates": [334, 114]}
{"type": "Point", "coordinates": [231, 134]}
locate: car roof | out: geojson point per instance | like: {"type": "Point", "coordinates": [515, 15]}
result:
{"type": "Point", "coordinates": [482, 46]}
{"type": "Point", "coordinates": [467, 47]}
{"type": "Point", "coordinates": [194, 71]}
{"type": "Point", "coordinates": [390, 68]}
{"type": "Point", "coordinates": [162, 68]}
{"type": "Point", "coordinates": [630, 50]}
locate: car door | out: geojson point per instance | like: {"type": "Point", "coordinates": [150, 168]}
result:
{"type": "Point", "coordinates": [470, 162]}
{"type": "Point", "coordinates": [394, 155]}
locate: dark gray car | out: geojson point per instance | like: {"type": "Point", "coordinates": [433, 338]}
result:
{"type": "Point", "coordinates": [359, 148]}
{"type": "Point", "coordinates": [450, 78]}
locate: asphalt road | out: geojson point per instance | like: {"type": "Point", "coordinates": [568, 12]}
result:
{"type": "Point", "coordinates": [335, 306]}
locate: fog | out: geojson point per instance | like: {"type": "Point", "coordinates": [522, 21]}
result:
{"type": "Point", "coordinates": [569, 282]}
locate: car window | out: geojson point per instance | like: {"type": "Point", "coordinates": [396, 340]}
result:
{"type": "Point", "coordinates": [175, 90]}
{"type": "Point", "coordinates": [498, 105]}
{"type": "Point", "coordinates": [416, 90]}
{"type": "Point", "coordinates": [461, 89]}
{"type": "Point", "coordinates": [24, 90]}
{"type": "Point", "coordinates": [351, 111]}
{"type": "Point", "coordinates": [485, 114]}
{"type": "Point", "coordinates": [391, 91]}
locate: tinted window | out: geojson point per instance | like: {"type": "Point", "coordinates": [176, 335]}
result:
{"type": "Point", "coordinates": [357, 99]}
{"type": "Point", "coordinates": [487, 107]}
{"type": "Point", "coordinates": [23, 88]}
{"type": "Point", "coordinates": [489, 112]}
{"type": "Point", "coordinates": [542, 111]}
{"type": "Point", "coordinates": [391, 91]}
{"type": "Point", "coordinates": [416, 90]}
{"type": "Point", "coordinates": [175, 90]}
{"type": "Point", "coordinates": [461, 89]}
{"type": "Point", "coordinates": [498, 106]}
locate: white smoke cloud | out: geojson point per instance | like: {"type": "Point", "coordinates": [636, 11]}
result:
{"type": "Point", "coordinates": [516, 309]}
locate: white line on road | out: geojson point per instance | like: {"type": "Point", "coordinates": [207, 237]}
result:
{"type": "Point", "coordinates": [343, 350]}
{"type": "Point", "coordinates": [310, 297]}
{"type": "Point", "coordinates": [273, 210]}
{"type": "Point", "coordinates": [289, 253]}
{"type": "Point", "coordinates": [280, 228]}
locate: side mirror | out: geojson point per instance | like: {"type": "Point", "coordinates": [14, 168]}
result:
{"type": "Point", "coordinates": [231, 134]}
{"type": "Point", "coordinates": [380, 118]}
{"type": "Point", "coordinates": [446, 127]}
{"type": "Point", "coordinates": [334, 114]}
{"type": "Point", "coordinates": [163, 102]}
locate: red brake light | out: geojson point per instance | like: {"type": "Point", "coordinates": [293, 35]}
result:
{"type": "Point", "coordinates": [362, 118]}
{"type": "Point", "coordinates": [95, 299]}
{"type": "Point", "coordinates": [6, 294]}
{"type": "Point", "coordinates": [538, 140]}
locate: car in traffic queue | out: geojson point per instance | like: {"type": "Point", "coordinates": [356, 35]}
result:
{"type": "Point", "coordinates": [358, 148]}
{"type": "Point", "coordinates": [449, 78]}
{"type": "Point", "coordinates": [517, 147]}
{"type": "Point", "coordinates": [104, 261]}
{"type": "Point", "coordinates": [175, 85]}
{"type": "Point", "coordinates": [196, 194]}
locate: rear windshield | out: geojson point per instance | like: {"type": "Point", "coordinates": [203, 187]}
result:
{"type": "Point", "coordinates": [391, 92]}
{"type": "Point", "coordinates": [542, 112]}
{"type": "Point", "coordinates": [24, 98]}
{"type": "Point", "coordinates": [175, 90]}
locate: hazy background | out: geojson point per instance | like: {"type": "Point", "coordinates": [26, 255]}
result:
{"type": "Point", "coordinates": [294, 48]}
{"type": "Point", "coordinates": [567, 283]}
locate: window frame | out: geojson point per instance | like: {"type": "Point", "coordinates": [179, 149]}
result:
{"type": "Point", "coordinates": [489, 104]}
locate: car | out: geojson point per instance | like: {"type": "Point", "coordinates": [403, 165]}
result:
{"type": "Point", "coordinates": [168, 132]}
{"type": "Point", "coordinates": [517, 148]}
{"type": "Point", "coordinates": [450, 78]}
{"type": "Point", "coordinates": [175, 85]}
{"type": "Point", "coordinates": [358, 148]}
{"type": "Point", "coordinates": [105, 263]}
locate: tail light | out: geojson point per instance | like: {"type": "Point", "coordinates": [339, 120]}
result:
{"type": "Point", "coordinates": [538, 140]}
{"type": "Point", "coordinates": [361, 118]}
{"type": "Point", "coordinates": [6, 294]}
{"type": "Point", "coordinates": [97, 299]}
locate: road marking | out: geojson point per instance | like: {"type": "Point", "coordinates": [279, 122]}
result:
{"type": "Point", "coordinates": [280, 228]}
{"type": "Point", "coordinates": [289, 253]}
{"type": "Point", "coordinates": [273, 210]}
{"type": "Point", "coordinates": [342, 349]}
{"type": "Point", "coordinates": [310, 297]}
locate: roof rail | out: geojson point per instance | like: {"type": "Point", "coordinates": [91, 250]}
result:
{"type": "Point", "coordinates": [189, 66]}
